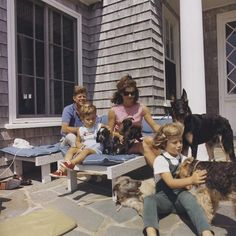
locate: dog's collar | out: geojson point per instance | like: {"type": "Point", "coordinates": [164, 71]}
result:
{"type": "Point", "coordinates": [194, 167]}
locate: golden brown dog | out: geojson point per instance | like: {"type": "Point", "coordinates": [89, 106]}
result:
{"type": "Point", "coordinates": [130, 192]}
{"type": "Point", "coordinates": [219, 184]}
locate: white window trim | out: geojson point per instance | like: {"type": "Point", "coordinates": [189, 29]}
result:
{"type": "Point", "coordinates": [166, 13]}
{"type": "Point", "coordinates": [15, 122]}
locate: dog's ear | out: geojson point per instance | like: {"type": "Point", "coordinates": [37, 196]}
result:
{"type": "Point", "coordinates": [184, 96]}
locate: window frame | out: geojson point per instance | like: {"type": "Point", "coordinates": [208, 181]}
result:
{"type": "Point", "coordinates": [168, 14]}
{"type": "Point", "coordinates": [31, 122]}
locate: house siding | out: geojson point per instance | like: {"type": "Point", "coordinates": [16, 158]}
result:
{"type": "Point", "coordinates": [3, 63]}
{"type": "Point", "coordinates": [118, 37]}
{"type": "Point", "coordinates": [125, 37]}
{"type": "Point", "coordinates": [211, 58]}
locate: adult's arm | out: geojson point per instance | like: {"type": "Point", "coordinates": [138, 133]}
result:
{"type": "Point", "coordinates": [111, 119]}
{"type": "Point", "coordinates": [111, 124]}
{"type": "Point", "coordinates": [67, 116]}
{"type": "Point", "coordinates": [148, 117]}
{"type": "Point", "coordinates": [65, 128]}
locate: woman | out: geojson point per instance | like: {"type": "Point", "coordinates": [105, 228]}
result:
{"type": "Point", "coordinates": [127, 105]}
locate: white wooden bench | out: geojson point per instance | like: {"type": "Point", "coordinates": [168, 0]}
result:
{"type": "Point", "coordinates": [42, 161]}
{"type": "Point", "coordinates": [112, 172]}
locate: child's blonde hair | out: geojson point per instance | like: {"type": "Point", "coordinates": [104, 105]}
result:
{"type": "Point", "coordinates": [166, 132]}
{"type": "Point", "coordinates": [87, 109]}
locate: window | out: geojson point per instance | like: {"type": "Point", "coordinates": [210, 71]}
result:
{"type": "Point", "coordinates": [170, 65]}
{"type": "Point", "coordinates": [45, 60]}
{"type": "Point", "coordinates": [230, 38]}
{"type": "Point", "coordinates": [44, 35]}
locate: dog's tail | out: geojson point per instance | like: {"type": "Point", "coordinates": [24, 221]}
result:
{"type": "Point", "coordinates": [227, 141]}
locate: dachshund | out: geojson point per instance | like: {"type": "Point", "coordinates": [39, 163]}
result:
{"type": "Point", "coordinates": [219, 184]}
{"type": "Point", "coordinates": [202, 128]}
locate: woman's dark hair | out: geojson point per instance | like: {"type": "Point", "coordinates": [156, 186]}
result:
{"type": "Point", "coordinates": [125, 82]}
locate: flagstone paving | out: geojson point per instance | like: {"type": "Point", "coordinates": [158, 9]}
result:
{"type": "Point", "coordinates": [95, 212]}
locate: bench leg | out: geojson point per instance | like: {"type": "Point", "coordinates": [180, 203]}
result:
{"type": "Point", "coordinates": [18, 169]}
{"type": "Point", "coordinates": [72, 181]}
{"type": "Point", "coordinates": [112, 186]}
{"type": "Point", "coordinates": [45, 171]}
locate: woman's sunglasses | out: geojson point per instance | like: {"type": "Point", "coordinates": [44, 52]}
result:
{"type": "Point", "coordinates": [125, 93]}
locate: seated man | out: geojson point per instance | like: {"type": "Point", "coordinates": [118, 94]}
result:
{"type": "Point", "coordinates": [71, 116]}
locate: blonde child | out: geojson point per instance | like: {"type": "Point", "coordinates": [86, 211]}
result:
{"type": "Point", "coordinates": [171, 194]}
{"type": "Point", "coordinates": [85, 142]}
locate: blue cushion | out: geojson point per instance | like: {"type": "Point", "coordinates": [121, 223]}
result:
{"type": "Point", "coordinates": [146, 129]}
{"type": "Point", "coordinates": [103, 119]}
{"type": "Point", "coordinates": [103, 159]}
{"type": "Point", "coordinates": [34, 151]}
{"type": "Point", "coordinates": [107, 160]}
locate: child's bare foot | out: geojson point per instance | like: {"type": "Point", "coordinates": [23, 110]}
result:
{"type": "Point", "coordinates": [58, 174]}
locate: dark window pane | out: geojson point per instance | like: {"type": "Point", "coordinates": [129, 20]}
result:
{"type": "Point", "coordinates": [232, 58]}
{"type": "Point", "coordinates": [56, 28]}
{"type": "Point", "coordinates": [231, 86]}
{"type": "Point", "coordinates": [25, 55]}
{"type": "Point", "coordinates": [68, 61]}
{"type": "Point", "coordinates": [68, 93]}
{"type": "Point", "coordinates": [39, 23]}
{"type": "Point", "coordinates": [68, 38]}
{"type": "Point", "coordinates": [228, 30]}
{"type": "Point", "coordinates": [26, 95]}
{"type": "Point", "coordinates": [39, 59]}
{"type": "Point", "coordinates": [230, 67]}
{"type": "Point", "coordinates": [232, 24]}
{"type": "Point", "coordinates": [229, 49]}
{"type": "Point", "coordinates": [232, 75]}
{"type": "Point", "coordinates": [57, 62]}
{"type": "Point", "coordinates": [232, 39]}
{"type": "Point", "coordinates": [170, 79]}
{"type": "Point", "coordinates": [24, 17]}
{"type": "Point", "coordinates": [56, 97]}
{"type": "Point", "coordinates": [40, 96]}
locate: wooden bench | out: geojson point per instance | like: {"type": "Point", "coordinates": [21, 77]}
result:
{"type": "Point", "coordinates": [112, 172]}
{"type": "Point", "coordinates": [43, 161]}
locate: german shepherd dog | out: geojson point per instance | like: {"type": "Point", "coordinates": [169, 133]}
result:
{"type": "Point", "coordinates": [112, 145]}
{"type": "Point", "coordinates": [220, 182]}
{"type": "Point", "coordinates": [202, 128]}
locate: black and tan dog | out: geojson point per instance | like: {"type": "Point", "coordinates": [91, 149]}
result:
{"type": "Point", "coordinates": [104, 137]}
{"type": "Point", "coordinates": [202, 128]}
{"type": "Point", "coordinates": [112, 145]}
{"type": "Point", "coordinates": [220, 182]}
{"type": "Point", "coordinates": [131, 133]}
